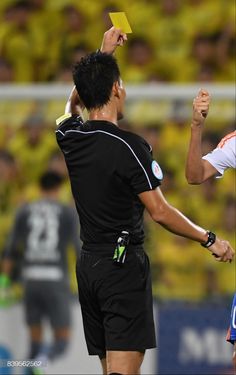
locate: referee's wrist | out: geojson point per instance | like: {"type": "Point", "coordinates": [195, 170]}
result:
{"type": "Point", "coordinates": [211, 239]}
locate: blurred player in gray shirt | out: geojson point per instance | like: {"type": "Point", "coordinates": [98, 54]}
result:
{"type": "Point", "coordinates": [41, 234]}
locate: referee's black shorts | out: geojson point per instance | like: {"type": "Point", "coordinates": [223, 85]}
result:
{"type": "Point", "coordinates": [116, 301]}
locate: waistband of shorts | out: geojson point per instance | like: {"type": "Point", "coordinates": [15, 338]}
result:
{"type": "Point", "coordinates": [42, 273]}
{"type": "Point", "coordinates": [108, 248]}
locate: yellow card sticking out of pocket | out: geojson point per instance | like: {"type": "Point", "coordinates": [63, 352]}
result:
{"type": "Point", "coordinates": [120, 21]}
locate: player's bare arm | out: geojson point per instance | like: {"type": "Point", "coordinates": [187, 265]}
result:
{"type": "Point", "coordinates": [7, 266]}
{"type": "Point", "coordinates": [5, 281]}
{"type": "Point", "coordinates": [174, 221]}
{"type": "Point", "coordinates": [198, 170]}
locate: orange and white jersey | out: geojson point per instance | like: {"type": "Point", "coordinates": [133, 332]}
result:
{"type": "Point", "coordinates": [224, 155]}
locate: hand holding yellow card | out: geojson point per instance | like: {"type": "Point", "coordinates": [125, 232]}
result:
{"type": "Point", "coordinates": [120, 21]}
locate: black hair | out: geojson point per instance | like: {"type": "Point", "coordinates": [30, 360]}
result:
{"type": "Point", "coordinates": [207, 38]}
{"type": "Point", "coordinates": [21, 4]}
{"type": "Point", "coordinates": [5, 64]}
{"type": "Point", "coordinates": [7, 157]}
{"type": "Point", "coordinates": [81, 47]}
{"type": "Point", "coordinates": [50, 180]}
{"type": "Point", "coordinates": [137, 41]}
{"type": "Point", "coordinates": [94, 77]}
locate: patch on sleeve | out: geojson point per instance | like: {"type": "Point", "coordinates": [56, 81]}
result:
{"type": "Point", "coordinates": [156, 170]}
{"type": "Point", "coordinates": [62, 118]}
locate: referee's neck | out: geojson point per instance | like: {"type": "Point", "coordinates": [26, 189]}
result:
{"type": "Point", "coordinates": [105, 113]}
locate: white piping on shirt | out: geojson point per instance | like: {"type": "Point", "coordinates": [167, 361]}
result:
{"type": "Point", "coordinates": [59, 131]}
{"type": "Point", "coordinates": [115, 136]}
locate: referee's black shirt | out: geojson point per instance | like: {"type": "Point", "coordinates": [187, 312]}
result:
{"type": "Point", "coordinates": [108, 168]}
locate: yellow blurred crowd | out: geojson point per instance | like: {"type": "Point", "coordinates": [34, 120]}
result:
{"type": "Point", "coordinates": [172, 41]}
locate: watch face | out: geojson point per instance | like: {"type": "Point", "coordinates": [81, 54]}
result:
{"type": "Point", "coordinates": [211, 239]}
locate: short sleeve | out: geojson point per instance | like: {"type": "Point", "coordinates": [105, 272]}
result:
{"type": "Point", "coordinates": [221, 159]}
{"type": "Point", "coordinates": [224, 155]}
{"type": "Point", "coordinates": [66, 123]}
{"type": "Point", "coordinates": [15, 237]}
{"type": "Point", "coordinates": [231, 336]}
{"type": "Point", "coordinates": [142, 172]}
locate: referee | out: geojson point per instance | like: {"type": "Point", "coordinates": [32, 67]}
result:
{"type": "Point", "coordinates": [113, 178]}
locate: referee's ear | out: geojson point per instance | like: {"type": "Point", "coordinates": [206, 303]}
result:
{"type": "Point", "coordinates": [116, 89]}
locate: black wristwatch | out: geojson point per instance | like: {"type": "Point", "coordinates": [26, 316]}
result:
{"type": "Point", "coordinates": [210, 240]}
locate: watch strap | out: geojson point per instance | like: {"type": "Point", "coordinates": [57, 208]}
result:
{"type": "Point", "coordinates": [210, 240]}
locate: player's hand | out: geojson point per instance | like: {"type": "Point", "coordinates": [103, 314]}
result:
{"type": "Point", "coordinates": [200, 107]}
{"type": "Point", "coordinates": [111, 39]}
{"type": "Point", "coordinates": [5, 290]}
{"type": "Point", "coordinates": [222, 251]}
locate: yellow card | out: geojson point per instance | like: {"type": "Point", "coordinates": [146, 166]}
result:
{"type": "Point", "coordinates": [119, 21]}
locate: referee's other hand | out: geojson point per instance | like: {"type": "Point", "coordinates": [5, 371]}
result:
{"type": "Point", "coordinates": [112, 39]}
{"type": "Point", "coordinates": [222, 250]}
